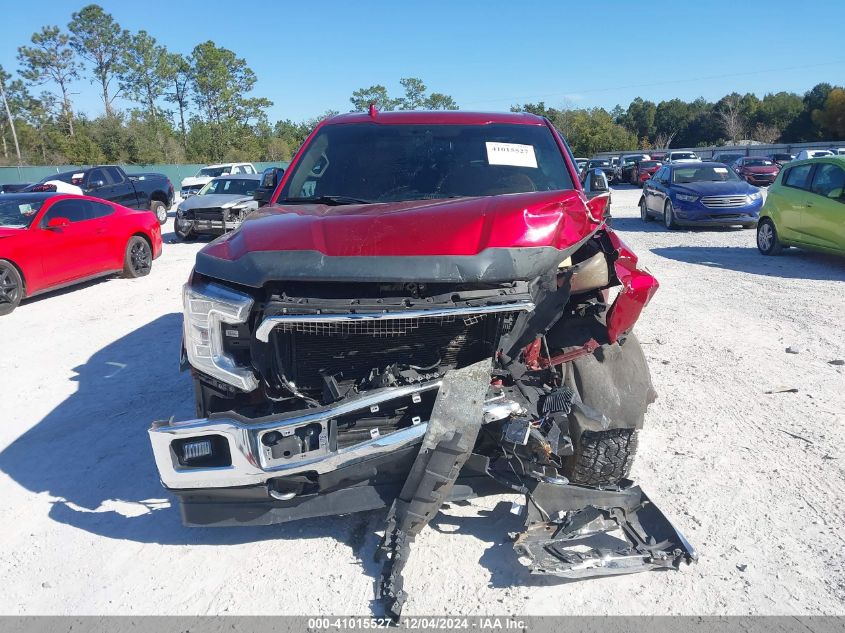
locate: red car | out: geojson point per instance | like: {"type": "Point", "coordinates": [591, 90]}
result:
{"type": "Point", "coordinates": [645, 170]}
{"type": "Point", "coordinates": [50, 240]}
{"type": "Point", "coordinates": [756, 170]}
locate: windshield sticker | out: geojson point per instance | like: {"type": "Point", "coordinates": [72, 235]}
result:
{"type": "Point", "coordinates": [720, 170]}
{"type": "Point", "coordinates": [78, 176]}
{"type": "Point", "coordinates": [26, 209]}
{"type": "Point", "coordinates": [512, 154]}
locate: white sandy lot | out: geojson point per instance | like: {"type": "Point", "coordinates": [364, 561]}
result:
{"type": "Point", "coordinates": [754, 480]}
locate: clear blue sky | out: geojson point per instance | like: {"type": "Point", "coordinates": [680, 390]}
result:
{"type": "Point", "coordinates": [310, 56]}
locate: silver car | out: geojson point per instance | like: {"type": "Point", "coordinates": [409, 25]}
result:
{"type": "Point", "coordinates": [219, 207]}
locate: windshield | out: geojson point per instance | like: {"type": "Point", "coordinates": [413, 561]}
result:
{"type": "Point", "coordinates": [232, 186]}
{"type": "Point", "coordinates": [703, 173]}
{"type": "Point", "coordinates": [389, 163]}
{"type": "Point", "coordinates": [17, 213]}
{"type": "Point", "coordinates": [759, 162]}
{"type": "Point", "coordinates": [599, 163]}
{"type": "Point", "coordinates": [648, 164]}
{"type": "Point", "coordinates": [683, 155]}
{"type": "Point", "coordinates": [212, 171]}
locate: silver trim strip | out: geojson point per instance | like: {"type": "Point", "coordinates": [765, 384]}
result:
{"type": "Point", "coordinates": [262, 333]}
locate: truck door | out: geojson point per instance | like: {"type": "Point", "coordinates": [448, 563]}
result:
{"type": "Point", "coordinates": [124, 189]}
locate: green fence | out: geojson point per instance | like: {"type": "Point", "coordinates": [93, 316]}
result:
{"type": "Point", "coordinates": [11, 175]}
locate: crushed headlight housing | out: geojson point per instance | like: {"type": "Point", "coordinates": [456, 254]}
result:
{"type": "Point", "coordinates": [207, 307]}
{"type": "Point", "coordinates": [686, 198]}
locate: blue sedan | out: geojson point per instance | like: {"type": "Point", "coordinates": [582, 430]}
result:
{"type": "Point", "coordinates": [700, 194]}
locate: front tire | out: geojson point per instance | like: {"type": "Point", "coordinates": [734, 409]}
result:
{"type": "Point", "coordinates": [11, 287]}
{"type": "Point", "coordinates": [160, 210]}
{"type": "Point", "coordinates": [602, 458]}
{"type": "Point", "coordinates": [138, 259]}
{"type": "Point", "coordinates": [644, 216]}
{"type": "Point", "coordinates": [669, 216]}
{"type": "Point", "coordinates": [768, 242]}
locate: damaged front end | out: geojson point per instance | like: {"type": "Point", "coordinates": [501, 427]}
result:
{"type": "Point", "coordinates": [326, 397]}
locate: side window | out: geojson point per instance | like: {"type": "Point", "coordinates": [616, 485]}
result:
{"type": "Point", "coordinates": [248, 169]}
{"type": "Point", "coordinates": [73, 210]}
{"type": "Point", "coordinates": [98, 174]}
{"type": "Point", "coordinates": [99, 209]}
{"type": "Point", "coordinates": [829, 181]}
{"type": "Point", "coordinates": [236, 169]}
{"type": "Point", "coordinates": [115, 174]}
{"type": "Point", "coordinates": [797, 176]}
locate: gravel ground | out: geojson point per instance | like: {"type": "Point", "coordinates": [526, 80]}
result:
{"type": "Point", "coordinates": [754, 479]}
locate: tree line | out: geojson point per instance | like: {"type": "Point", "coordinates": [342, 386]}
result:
{"type": "Point", "coordinates": [782, 117]}
{"type": "Point", "coordinates": [200, 107]}
{"type": "Point", "coordinates": [185, 108]}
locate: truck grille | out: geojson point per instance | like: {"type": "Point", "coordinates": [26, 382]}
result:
{"type": "Point", "coordinates": [214, 214]}
{"type": "Point", "coordinates": [724, 202]}
{"type": "Point", "coordinates": [350, 350]}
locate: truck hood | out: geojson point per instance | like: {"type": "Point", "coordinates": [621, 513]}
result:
{"type": "Point", "coordinates": [495, 238]}
{"type": "Point", "coordinates": [192, 181]}
{"type": "Point", "coordinates": [213, 201]}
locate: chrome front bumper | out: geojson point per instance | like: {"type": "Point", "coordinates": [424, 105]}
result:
{"type": "Point", "coordinates": [252, 464]}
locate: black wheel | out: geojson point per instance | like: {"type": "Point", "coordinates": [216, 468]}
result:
{"type": "Point", "coordinates": [138, 259]}
{"type": "Point", "coordinates": [768, 242]}
{"type": "Point", "coordinates": [669, 216]}
{"type": "Point", "coordinates": [11, 287]}
{"type": "Point", "coordinates": [160, 209]}
{"type": "Point", "coordinates": [184, 229]}
{"type": "Point", "coordinates": [644, 211]}
{"type": "Point", "coordinates": [602, 458]}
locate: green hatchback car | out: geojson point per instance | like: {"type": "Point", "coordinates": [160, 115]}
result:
{"type": "Point", "coordinates": [805, 207]}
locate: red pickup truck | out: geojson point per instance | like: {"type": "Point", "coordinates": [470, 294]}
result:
{"type": "Point", "coordinates": [422, 314]}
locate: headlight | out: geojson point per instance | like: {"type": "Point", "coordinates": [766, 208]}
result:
{"type": "Point", "coordinates": [207, 307]}
{"type": "Point", "coordinates": [685, 197]}
{"type": "Point", "coordinates": [754, 196]}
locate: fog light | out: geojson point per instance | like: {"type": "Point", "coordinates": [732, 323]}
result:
{"type": "Point", "coordinates": [192, 451]}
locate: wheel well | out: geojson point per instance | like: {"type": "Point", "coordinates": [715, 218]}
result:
{"type": "Point", "coordinates": [159, 196]}
{"type": "Point", "coordinates": [146, 239]}
{"type": "Point", "coordinates": [20, 272]}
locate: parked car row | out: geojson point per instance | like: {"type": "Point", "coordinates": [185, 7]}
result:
{"type": "Point", "coordinates": [53, 234]}
{"type": "Point", "coordinates": [109, 182]}
{"type": "Point", "coordinates": [805, 204]}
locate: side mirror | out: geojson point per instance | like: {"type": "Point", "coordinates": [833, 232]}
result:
{"type": "Point", "coordinates": [595, 183]}
{"type": "Point", "coordinates": [58, 222]}
{"type": "Point", "coordinates": [96, 184]}
{"type": "Point", "coordinates": [262, 195]}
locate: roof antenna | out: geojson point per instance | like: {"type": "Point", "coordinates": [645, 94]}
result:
{"type": "Point", "coordinates": [373, 111]}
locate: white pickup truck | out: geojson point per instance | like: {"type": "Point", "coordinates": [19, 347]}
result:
{"type": "Point", "coordinates": [192, 184]}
